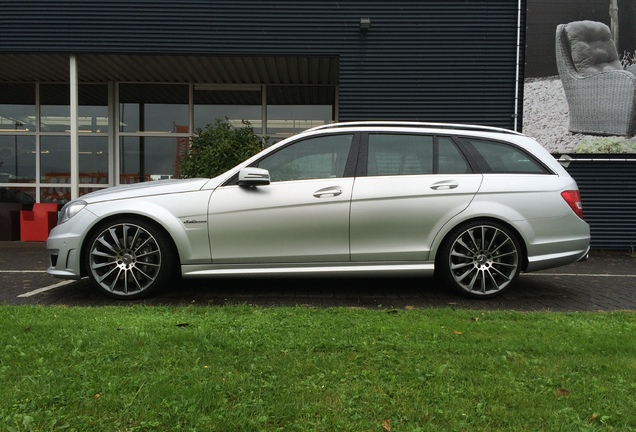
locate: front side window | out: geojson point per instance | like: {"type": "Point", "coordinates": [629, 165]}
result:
{"type": "Point", "coordinates": [502, 158]}
{"type": "Point", "coordinates": [313, 158]}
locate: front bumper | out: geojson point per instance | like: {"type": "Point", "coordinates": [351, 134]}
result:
{"type": "Point", "coordinates": [65, 245]}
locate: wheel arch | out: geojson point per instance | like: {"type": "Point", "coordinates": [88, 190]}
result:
{"type": "Point", "coordinates": [449, 228]}
{"type": "Point", "coordinates": [130, 217]}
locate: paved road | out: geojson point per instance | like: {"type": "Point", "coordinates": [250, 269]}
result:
{"type": "Point", "coordinates": [607, 281]}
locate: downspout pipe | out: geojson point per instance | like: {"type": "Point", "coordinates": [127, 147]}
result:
{"type": "Point", "coordinates": [518, 69]}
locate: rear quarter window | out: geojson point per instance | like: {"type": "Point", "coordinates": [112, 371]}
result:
{"type": "Point", "coordinates": [502, 158]}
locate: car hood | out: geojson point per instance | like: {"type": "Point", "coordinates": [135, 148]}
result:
{"type": "Point", "coordinates": [159, 187]}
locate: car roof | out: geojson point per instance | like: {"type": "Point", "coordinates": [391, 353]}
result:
{"type": "Point", "coordinates": [414, 125]}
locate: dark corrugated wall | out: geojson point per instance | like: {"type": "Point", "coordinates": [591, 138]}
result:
{"type": "Point", "coordinates": [608, 190]}
{"type": "Point", "coordinates": [445, 60]}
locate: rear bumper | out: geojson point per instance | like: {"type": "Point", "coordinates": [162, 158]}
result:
{"type": "Point", "coordinates": [548, 261]}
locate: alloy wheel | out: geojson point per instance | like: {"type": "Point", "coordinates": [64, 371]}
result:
{"type": "Point", "coordinates": [483, 260]}
{"type": "Point", "coordinates": [125, 260]}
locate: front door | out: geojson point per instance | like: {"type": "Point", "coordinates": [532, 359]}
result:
{"type": "Point", "coordinates": [302, 216]}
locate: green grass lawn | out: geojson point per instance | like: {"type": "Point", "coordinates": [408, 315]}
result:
{"type": "Point", "coordinates": [242, 368]}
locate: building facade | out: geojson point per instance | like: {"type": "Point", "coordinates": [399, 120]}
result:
{"type": "Point", "coordinates": [107, 92]}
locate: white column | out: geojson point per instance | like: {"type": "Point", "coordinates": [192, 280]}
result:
{"type": "Point", "coordinates": [264, 110]}
{"type": "Point", "coordinates": [74, 128]}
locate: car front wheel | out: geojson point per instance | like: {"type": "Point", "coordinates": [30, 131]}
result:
{"type": "Point", "coordinates": [480, 259]}
{"type": "Point", "coordinates": [129, 259]}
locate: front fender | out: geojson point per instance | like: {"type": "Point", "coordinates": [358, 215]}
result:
{"type": "Point", "coordinates": [183, 216]}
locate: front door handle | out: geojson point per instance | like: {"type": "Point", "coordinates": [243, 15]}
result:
{"type": "Point", "coordinates": [445, 185]}
{"type": "Point", "coordinates": [327, 192]}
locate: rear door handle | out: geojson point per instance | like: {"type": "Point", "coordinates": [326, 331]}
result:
{"type": "Point", "coordinates": [445, 185]}
{"type": "Point", "coordinates": [327, 192]}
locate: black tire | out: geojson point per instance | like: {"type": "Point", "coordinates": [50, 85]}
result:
{"type": "Point", "coordinates": [479, 259]}
{"type": "Point", "coordinates": [129, 259]}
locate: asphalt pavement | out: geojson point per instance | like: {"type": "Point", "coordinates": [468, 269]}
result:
{"type": "Point", "coordinates": [606, 281]}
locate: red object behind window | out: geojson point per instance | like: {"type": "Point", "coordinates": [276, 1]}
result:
{"type": "Point", "coordinates": [37, 224]}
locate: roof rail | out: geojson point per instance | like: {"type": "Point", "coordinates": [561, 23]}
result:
{"type": "Point", "coordinates": [464, 127]}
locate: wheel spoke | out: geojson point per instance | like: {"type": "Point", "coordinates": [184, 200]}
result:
{"type": "Point", "coordinates": [103, 241]}
{"type": "Point", "coordinates": [144, 242]}
{"type": "Point", "coordinates": [114, 236]}
{"type": "Point", "coordinates": [465, 274]}
{"type": "Point", "coordinates": [96, 266]}
{"type": "Point", "coordinates": [108, 273]}
{"type": "Point", "coordinates": [503, 275]}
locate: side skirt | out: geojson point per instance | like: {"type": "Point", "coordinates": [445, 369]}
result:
{"type": "Point", "coordinates": [310, 270]}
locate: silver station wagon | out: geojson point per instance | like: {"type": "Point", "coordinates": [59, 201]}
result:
{"type": "Point", "coordinates": [472, 205]}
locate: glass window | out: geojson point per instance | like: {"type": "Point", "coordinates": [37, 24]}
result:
{"type": "Point", "coordinates": [19, 195]}
{"type": "Point", "coordinates": [450, 159]}
{"type": "Point", "coordinates": [153, 108]}
{"type": "Point", "coordinates": [395, 154]}
{"type": "Point", "coordinates": [17, 107]}
{"type": "Point", "coordinates": [148, 158]}
{"type": "Point", "coordinates": [55, 108]}
{"type": "Point", "coordinates": [235, 105]}
{"type": "Point", "coordinates": [55, 169]}
{"type": "Point", "coordinates": [92, 111]}
{"type": "Point", "coordinates": [17, 159]}
{"type": "Point", "coordinates": [55, 159]}
{"type": "Point", "coordinates": [292, 109]}
{"type": "Point", "coordinates": [93, 159]}
{"type": "Point", "coordinates": [321, 157]}
{"type": "Point", "coordinates": [506, 159]}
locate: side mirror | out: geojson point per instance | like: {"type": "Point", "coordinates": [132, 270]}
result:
{"type": "Point", "coordinates": [253, 177]}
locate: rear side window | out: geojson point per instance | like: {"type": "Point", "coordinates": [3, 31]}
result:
{"type": "Point", "coordinates": [501, 158]}
{"type": "Point", "coordinates": [400, 155]}
{"type": "Point", "coordinates": [450, 159]}
{"type": "Point", "coordinates": [413, 154]}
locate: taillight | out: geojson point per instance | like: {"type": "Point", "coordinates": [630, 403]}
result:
{"type": "Point", "coordinates": [573, 198]}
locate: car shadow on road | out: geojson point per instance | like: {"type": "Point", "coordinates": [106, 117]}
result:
{"type": "Point", "coordinates": [532, 293]}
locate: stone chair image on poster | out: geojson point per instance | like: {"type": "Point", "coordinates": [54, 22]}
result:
{"type": "Point", "coordinates": [601, 94]}
{"type": "Point", "coordinates": [35, 225]}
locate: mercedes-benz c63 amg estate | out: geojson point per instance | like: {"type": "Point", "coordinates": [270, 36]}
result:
{"type": "Point", "coordinates": [472, 205]}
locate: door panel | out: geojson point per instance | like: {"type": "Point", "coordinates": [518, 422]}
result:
{"type": "Point", "coordinates": [397, 218]}
{"type": "Point", "coordinates": [297, 221]}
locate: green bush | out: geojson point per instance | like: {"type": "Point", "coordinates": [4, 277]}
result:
{"type": "Point", "coordinates": [606, 146]}
{"type": "Point", "coordinates": [219, 147]}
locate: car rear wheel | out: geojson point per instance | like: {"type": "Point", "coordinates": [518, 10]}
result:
{"type": "Point", "coordinates": [480, 259]}
{"type": "Point", "coordinates": [129, 259]}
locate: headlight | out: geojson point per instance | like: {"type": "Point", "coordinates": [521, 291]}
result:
{"type": "Point", "coordinates": [70, 209]}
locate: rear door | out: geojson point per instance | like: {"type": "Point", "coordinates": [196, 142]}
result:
{"type": "Point", "coordinates": [408, 186]}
